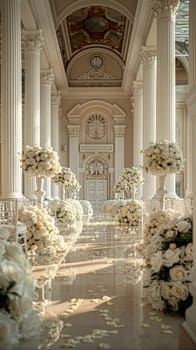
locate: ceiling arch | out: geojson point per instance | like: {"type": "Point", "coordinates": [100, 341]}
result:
{"type": "Point", "coordinates": [78, 4]}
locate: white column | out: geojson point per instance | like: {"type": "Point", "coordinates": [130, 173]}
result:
{"type": "Point", "coordinates": [74, 132]}
{"type": "Point", "coordinates": [32, 43]}
{"type": "Point", "coordinates": [190, 317]}
{"type": "Point", "coordinates": [47, 77]}
{"type": "Point", "coordinates": [55, 140]}
{"type": "Point", "coordinates": [165, 10]}
{"type": "Point", "coordinates": [189, 157]}
{"type": "Point", "coordinates": [119, 131]}
{"type": "Point", "coordinates": [138, 128]}
{"type": "Point", "coordinates": [148, 58]}
{"type": "Point", "coordinates": [11, 99]}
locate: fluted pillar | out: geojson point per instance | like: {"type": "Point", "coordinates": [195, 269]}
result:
{"type": "Point", "coordinates": [32, 44]}
{"type": "Point", "coordinates": [148, 58]}
{"type": "Point", "coordinates": [137, 102]}
{"type": "Point", "coordinates": [55, 140]}
{"type": "Point", "coordinates": [119, 132]}
{"type": "Point", "coordinates": [74, 133]}
{"type": "Point", "coordinates": [165, 11]}
{"type": "Point", "coordinates": [190, 316]}
{"type": "Point", "coordinates": [11, 99]}
{"type": "Point", "coordinates": [47, 78]}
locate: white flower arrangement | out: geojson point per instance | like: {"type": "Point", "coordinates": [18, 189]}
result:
{"type": "Point", "coordinates": [17, 293]}
{"type": "Point", "coordinates": [40, 161]}
{"type": "Point", "coordinates": [42, 235]}
{"type": "Point", "coordinates": [129, 178]}
{"type": "Point", "coordinates": [168, 254]}
{"type": "Point", "coordinates": [131, 213]}
{"type": "Point", "coordinates": [68, 211]}
{"type": "Point", "coordinates": [118, 188]}
{"type": "Point", "coordinates": [65, 177]}
{"type": "Point", "coordinates": [162, 158]}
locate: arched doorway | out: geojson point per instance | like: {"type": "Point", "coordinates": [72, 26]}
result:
{"type": "Point", "coordinates": [96, 174]}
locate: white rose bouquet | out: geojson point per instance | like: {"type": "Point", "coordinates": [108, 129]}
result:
{"type": "Point", "coordinates": [17, 293]}
{"type": "Point", "coordinates": [162, 158]}
{"type": "Point", "coordinates": [68, 211]}
{"type": "Point", "coordinates": [65, 177]}
{"type": "Point", "coordinates": [168, 254]}
{"type": "Point", "coordinates": [40, 161]}
{"type": "Point", "coordinates": [131, 213]}
{"type": "Point", "coordinates": [42, 235]}
{"type": "Point", "coordinates": [129, 178]}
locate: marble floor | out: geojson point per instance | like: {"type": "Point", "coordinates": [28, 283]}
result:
{"type": "Point", "coordinates": [94, 298]}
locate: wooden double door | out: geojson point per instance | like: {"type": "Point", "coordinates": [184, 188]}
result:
{"type": "Point", "coordinates": [96, 192]}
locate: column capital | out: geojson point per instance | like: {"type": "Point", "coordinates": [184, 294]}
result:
{"type": "Point", "coordinates": [119, 130]}
{"type": "Point", "coordinates": [147, 54]}
{"type": "Point", "coordinates": [160, 7]}
{"type": "Point", "coordinates": [137, 87]}
{"type": "Point", "coordinates": [32, 40]}
{"type": "Point", "coordinates": [73, 130]}
{"type": "Point", "coordinates": [47, 77]}
{"type": "Point", "coordinates": [56, 98]}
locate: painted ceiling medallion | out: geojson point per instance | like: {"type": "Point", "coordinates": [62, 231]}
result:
{"type": "Point", "coordinates": [96, 61]}
{"type": "Point", "coordinates": [96, 25]}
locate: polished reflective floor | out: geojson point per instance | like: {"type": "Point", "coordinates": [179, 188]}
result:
{"type": "Point", "coordinates": [94, 298]}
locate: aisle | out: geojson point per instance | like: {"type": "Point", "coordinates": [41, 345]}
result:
{"type": "Point", "coordinates": [95, 300]}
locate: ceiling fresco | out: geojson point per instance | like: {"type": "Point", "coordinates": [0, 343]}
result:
{"type": "Point", "coordinates": [96, 25]}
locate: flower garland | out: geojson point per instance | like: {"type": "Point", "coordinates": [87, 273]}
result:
{"type": "Point", "coordinates": [65, 177]}
{"type": "Point", "coordinates": [42, 234]}
{"type": "Point", "coordinates": [131, 213]}
{"type": "Point", "coordinates": [162, 158]}
{"type": "Point", "coordinates": [168, 254]}
{"type": "Point", "coordinates": [40, 161]}
{"type": "Point", "coordinates": [18, 320]}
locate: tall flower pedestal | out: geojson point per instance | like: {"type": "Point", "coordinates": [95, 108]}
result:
{"type": "Point", "coordinates": [161, 191]}
{"type": "Point", "coordinates": [131, 194]}
{"type": "Point", "coordinates": [39, 192]}
{"type": "Point", "coordinates": [68, 194]}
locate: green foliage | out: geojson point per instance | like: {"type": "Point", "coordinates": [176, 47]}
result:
{"type": "Point", "coordinates": [180, 239]}
{"type": "Point", "coordinates": [5, 295]}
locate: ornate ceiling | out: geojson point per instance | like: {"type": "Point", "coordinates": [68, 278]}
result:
{"type": "Point", "coordinates": [97, 43]}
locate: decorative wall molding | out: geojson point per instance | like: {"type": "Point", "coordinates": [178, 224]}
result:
{"type": "Point", "coordinates": [102, 148]}
{"type": "Point", "coordinates": [73, 130]}
{"type": "Point", "coordinates": [119, 130]}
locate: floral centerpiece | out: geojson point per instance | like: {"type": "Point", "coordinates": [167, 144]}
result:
{"type": "Point", "coordinates": [129, 179]}
{"type": "Point", "coordinates": [162, 158]}
{"type": "Point", "coordinates": [65, 177]}
{"type": "Point", "coordinates": [18, 319]}
{"type": "Point", "coordinates": [168, 254]}
{"type": "Point", "coordinates": [66, 212]}
{"type": "Point", "coordinates": [40, 161]}
{"type": "Point", "coordinates": [42, 235]}
{"type": "Point", "coordinates": [131, 213]}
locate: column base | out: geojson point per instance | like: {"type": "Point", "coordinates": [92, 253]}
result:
{"type": "Point", "coordinates": [13, 195]}
{"type": "Point", "coordinates": [189, 331]}
{"type": "Point", "coordinates": [190, 322]}
{"type": "Point", "coordinates": [171, 196]}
